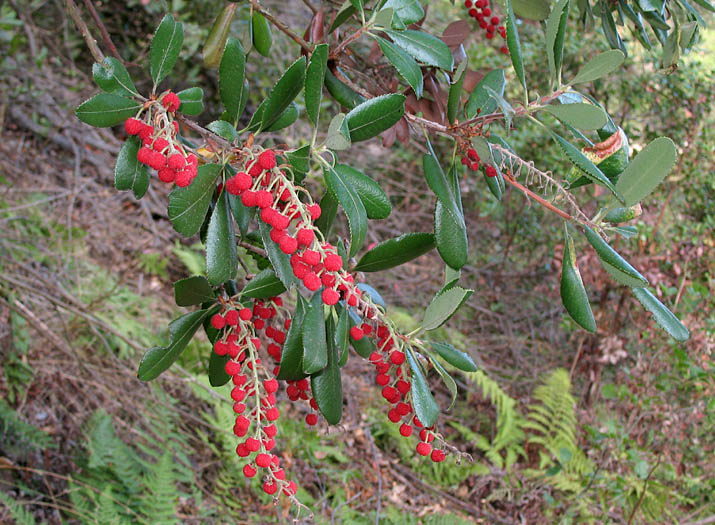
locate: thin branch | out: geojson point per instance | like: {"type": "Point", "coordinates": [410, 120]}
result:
{"type": "Point", "coordinates": [308, 48]}
{"type": "Point", "coordinates": [546, 204]}
{"type": "Point", "coordinates": [310, 6]}
{"type": "Point", "coordinates": [91, 42]}
{"type": "Point", "coordinates": [102, 29]}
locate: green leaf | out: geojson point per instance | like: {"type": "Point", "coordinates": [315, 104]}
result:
{"type": "Point", "coordinates": [181, 330]}
{"type": "Point", "coordinates": [374, 116]}
{"type": "Point", "coordinates": [221, 255]}
{"type": "Point", "coordinates": [396, 251]}
{"type": "Point", "coordinates": [423, 47]}
{"type": "Point", "coordinates": [165, 48]}
{"type": "Point", "coordinates": [621, 215]}
{"type": "Point", "coordinates": [329, 207]}
{"type": "Point", "coordinates": [450, 237]}
{"type": "Point", "coordinates": [573, 293]}
{"type": "Point", "coordinates": [283, 93]}
{"type": "Point", "coordinates": [365, 346]}
{"type": "Point", "coordinates": [512, 42]}
{"type": "Point", "coordinates": [555, 33]}
{"type": "Point", "coordinates": [315, 345]}
{"type": "Point", "coordinates": [223, 129]}
{"type": "Point", "coordinates": [611, 260]}
{"type": "Point", "coordinates": [299, 159]}
{"type": "Point", "coordinates": [531, 9]}
{"type": "Point", "coordinates": [409, 11]}
{"type": "Point", "coordinates": [216, 40]}
{"type": "Point", "coordinates": [455, 92]}
{"type": "Point", "coordinates": [425, 406]}
{"type": "Point", "coordinates": [480, 99]}
{"type": "Point", "coordinates": [404, 64]}
{"type": "Point", "coordinates": [579, 115]}
{"type": "Point", "coordinates": [217, 370]}
{"type": "Point", "coordinates": [647, 170]}
{"type": "Point", "coordinates": [279, 260]}
{"type": "Point", "coordinates": [442, 188]}
{"type": "Point", "coordinates": [242, 214]}
{"type": "Point", "coordinates": [314, 79]}
{"type": "Point", "coordinates": [338, 137]}
{"type": "Point", "coordinates": [354, 209]}
{"type": "Point", "coordinates": [342, 340]}
{"type": "Point", "coordinates": [359, 5]}
{"type": "Point", "coordinates": [291, 366]}
{"type": "Point", "coordinates": [345, 12]}
{"type": "Point", "coordinates": [662, 315]}
{"type": "Point", "coordinates": [263, 285]}
{"type": "Point", "coordinates": [447, 379]}
{"type": "Point", "coordinates": [287, 118]}
{"type": "Point", "coordinates": [106, 109]}
{"type": "Point", "coordinates": [599, 66]}
{"type": "Point", "coordinates": [111, 76]}
{"type": "Point", "coordinates": [454, 357]}
{"type": "Point", "coordinates": [326, 385]}
{"type": "Point", "coordinates": [129, 173]}
{"type": "Point", "coordinates": [343, 94]}
{"type": "Point", "coordinates": [193, 290]}
{"type": "Point", "coordinates": [261, 31]}
{"type": "Point", "coordinates": [188, 206]}
{"type": "Point", "coordinates": [443, 306]}
{"type": "Point", "coordinates": [192, 101]}
{"type": "Point", "coordinates": [384, 19]}
{"type": "Point", "coordinates": [231, 77]}
{"type": "Point", "coordinates": [377, 204]}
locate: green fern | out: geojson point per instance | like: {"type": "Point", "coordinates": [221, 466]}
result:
{"type": "Point", "coordinates": [17, 511]}
{"type": "Point", "coordinates": [161, 497]}
{"type": "Point", "coordinates": [106, 510]}
{"type": "Point", "coordinates": [19, 437]}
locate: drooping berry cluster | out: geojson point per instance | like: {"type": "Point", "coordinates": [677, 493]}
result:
{"type": "Point", "coordinates": [160, 150]}
{"type": "Point", "coordinates": [471, 159]}
{"type": "Point", "coordinates": [487, 20]}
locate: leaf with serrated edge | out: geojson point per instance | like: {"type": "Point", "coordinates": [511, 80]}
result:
{"type": "Point", "coordinates": [338, 137]}
{"type": "Point", "coordinates": [129, 173]}
{"type": "Point", "coordinates": [447, 379]}
{"type": "Point", "coordinates": [111, 76]}
{"type": "Point", "coordinates": [405, 65]}
{"type": "Point", "coordinates": [374, 116]}
{"type": "Point", "coordinates": [424, 48]}
{"type": "Point", "coordinates": [352, 205]}
{"type": "Point", "coordinates": [450, 237]}
{"type": "Point", "coordinates": [646, 170]}
{"type": "Point", "coordinates": [377, 204]}
{"type": "Point", "coordinates": [314, 81]}
{"type": "Point", "coordinates": [279, 260]}
{"type": "Point", "coordinates": [573, 292]}
{"type": "Point", "coordinates": [409, 11]}
{"type": "Point", "coordinates": [423, 402]}
{"type": "Point", "coordinates": [315, 345]}
{"type": "Point", "coordinates": [599, 66]}
{"type": "Point", "coordinates": [106, 110]}
{"type": "Point", "coordinates": [192, 102]}
{"type": "Point", "coordinates": [326, 385]}
{"type": "Point", "coordinates": [662, 315]}
{"type": "Point", "coordinates": [221, 254]}
{"type": "Point", "coordinates": [443, 306]}
{"type": "Point", "coordinates": [454, 357]}
{"type": "Point", "coordinates": [231, 78]}
{"type": "Point", "coordinates": [454, 98]}
{"type": "Point", "coordinates": [193, 290]}
{"type": "Point", "coordinates": [165, 48]}
{"type": "Point", "coordinates": [291, 365]}
{"type": "Point", "coordinates": [263, 285]}
{"type": "Point", "coordinates": [480, 99]}
{"type": "Point", "coordinates": [342, 340]}
{"type": "Point", "coordinates": [555, 30]}
{"type": "Point", "coordinates": [512, 41]}
{"type": "Point", "coordinates": [396, 251]}
{"type": "Point", "coordinates": [283, 93]}
{"type": "Point", "coordinates": [188, 206]}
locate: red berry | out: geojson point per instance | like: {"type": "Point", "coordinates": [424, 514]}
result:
{"type": "Point", "coordinates": [393, 415]}
{"type": "Point", "coordinates": [330, 296]}
{"type": "Point", "coordinates": [166, 175]}
{"type": "Point", "coordinates": [218, 322]}
{"type": "Point", "coordinates": [133, 126]}
{"type": "Point", "coordinates": [472, 13]}
{"type": "Point", "coordinates": [288, 244]}
{"type": "Point", "coordinates": [467, 3]}
{"type": "Point", "coordinates": [270, 430]}
{"type": "Point", "coordinates": [231, 317]}
{"type": "Point", "coordinates": [491, 171]}
{"type": "Point", "coordinates": [402, 386]}
{"type": "Point", "coordinates": [232, 368]}
{"type": "Point", "coordinates": [146, 132]}
{"type": "Point", "coordinates": [397, 357]}
{"type": "Point", "coordinates": [144, 155]}
{"type": "Point", "coordinates": [271, 385]}
{"type": "Point", "coordinates": [311, 419]}
{"type": "Point", "coordinates": [183, 178]}
{"type": "Point", "coordinates": [356, 333]}
{"type": "Point", "coordinates": [176, 161]}
{"type": "Point", "coordinates": [171, 102]}
{"type": "Point", "coordinates": [311, 257]}
{"type": "Point", "coordinates": [504, 50]}
{"type": "Point", "coordinates": [248, 198]}
{"type": "Point", "coordinates": [263, 460]}
{"type": "Point", "coordinates": [382, 379]}
{"type": "Point", "coordinates": [494, 20]}
{"type": "Point", "coordinates": [305, 236]}
{"type": "Point", "coordinates": [245, 314]}
{"type": "Point", "coordinates": [486, 11]}
{"type": "Point", "coordinates": [438, 455]}
{"type": "Point", "coordinates": [333, 262]}
{"type": "Point", "coordinates": [270, 487]}
{"type": "Point", "coordinates": [267, 160]}
{"type": "Point", "coordinates": [249, 471]}
{"type": "Point", "coordinates": [423, 449]}
{"type": "Point", "coordinates": [312, 281]}
{"type": "Point", "coordinates": [272, 414]}
{"type": "Point", "coordinates": [405, 430]}
{"type": "Point", "coordinates": [315, 211]}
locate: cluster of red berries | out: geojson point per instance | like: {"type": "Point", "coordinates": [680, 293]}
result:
{"type": "Point", "coordinates": [471, 159]}
{"type": "Point", "coordinates": [488, 21]}
{"type": "Point", "coordinates": [392, 375]}
{"type": "Point", "coordinates": [160, 150]}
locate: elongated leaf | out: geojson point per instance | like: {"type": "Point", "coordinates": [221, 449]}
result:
{"type": "Point", "coordinates": [223, 129]}
{"type": "Point", "coordinates": [329, 207]}
{"type": "Point", "coordinates": [314, 79]}
{"type": "Point", "coordinates": [261, 34]}
{"type": "Point", "coordinates": [396, 251]}
{"type": "Point", "coordinates": [454, 357]}
{"type": "Point", "coordinates": [512, 42]}
{"type": "Point", "coordinates": [342, 340]}
{"type": "Point", "coordinates": [442, 188]}
{"type": "Point", "coordinates": [425, 406]}
{"type": "Point", "coordinates": [404, 64]}
{"type": "Point", "coordinates": [285, 119]}
{"type": "Point", "coordinates": [165, 48]}
{"type": "Point", "coordinates": [112, 77]}
{"type": "Point", "coordinates": [662, 315]}
{"type": "Point", "coordinates": [315, 345]}
{"type": "Point", "coordinates": [221, 255]}
{"type": "Point", "coordinates": [409, 11]}
{"type": "Point", "coordinates": [646, 170]}
{"type": "Point", "coordinates": [377, 204]}
{"type": "Point", "coordinates": [555, 32]}
{"type": "Point", "coordinates": [345, 12]}
{"type": "Point", "coordinates": [279, 260]}
{"type": "Point", "coordinates": [299, 159]}
{"type": "Point", "coordinates": [351, 204]}
{"type": "Point", "coordinates": [450, 236]}
{"type": "Point", "coordinates": [129, 173]}
{"type": "Point", "coordinates": [610, 258]}
{"type": "Point", "coordinates": [283, 93]}
{"type": "Point", "coordinates": [599, 66]}
{"type": "Point", "coordinates": [231, 76]}
{"type": "Point", "coordinates": [374, 116]}
{"type": "Point", "coordinates": [443, 306]}
{"type": "Point", "coordinates": [263, 285]}
{"type": "Point", "coordinates": [580, 115]}
{"type": "Point", "coordinates": [455, 92]}
{"type": "Point", "coordinates": [216, 40]}
{"type": "Point", "coordinates": [326, 385]}
{"type": "Point", "coordinates": [181, 330]}
{"type": "Point", "coordinates": [342, 93]}
{"type": "Point", "coordinates": [423, 47]}
{"type": "Point", "coordinates": [193, 290]}
{"type": "Point", "coordinates": [217, 370]}
{"type": "Point", "coordinates": [531, 9]}
{"type": "Point", "coordinates": [573, 293]}
{"type": "Point", "coordinates": [242, 214]}
{"type": "Point", "coordinates": [291, 366]}
{"type": "Point", "coordinates": [447, 379]}
{"type": "Point", "coordinates": [480, 100]}
{"type": "Point", "coordinates": [188, 206]}
{"type": "Point", "coordinates": [106, 109]}
{"type": "Point", "coordinates": [192, 101]}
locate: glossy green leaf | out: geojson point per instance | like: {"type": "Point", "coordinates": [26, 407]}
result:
{"type": "Point", "coordinates": [223, 129]}
{"type": "Point", "coordinates": [396, 251]}
{"type": "Point", "coordinates": [409, 11]}
{"type": "Point", "coordinates": [221, 255]}
{"type": "Point", "coordinates": [299, 159]}
{"type": "Point", "coordinates": [326, 385]}
{"type": "Point", "coordinates": [579, 115]}
{"type": "Point", "coordinates": [374, 116]}
{"type": "Point", "coordinates": [443, 306]}
{"type": "Point", "coordinates": [242, 214]}
{"type": "Point", "coordinates": [345, 12]}
{"type": "Point", "coordinates": [283, 93]}
{"type": "Point", "coordinates": [315, 345]}
{"type": "Point", "coordinates": [261, 33]}
{"type": "Point", "coordinates": [480, 100]}
{"type": "Point", "coordinates": [342, 93]}
{"type": "Point", "coordinates": [531, 9]}
{"type": "Point", "coordinates": [442, 188]}
{"type": "Point", "coordinates": [338, 137]}
{"type": "Point", "coordinates": [359, 5]}
{"type": "Point", "coordinates": [450, 236]}
{"type": "Point", "coordinates": [217, 370]}
{"type": "Point", "coordinates": [329, 210]}
{"type": "Point", "coordinates": [423, 402]}
{"type": "Point", "coordinates": [454, 98]}
{"type": "Point", "coordinates": [287, 118]}
{"type": "Point", "coordinates": [129, 173]}
{"type": "Point", "coordinates": [192, 101]}
{"type": "Point", "coordinates": [377, 204]}
{"type": "Point", "coordinates": [555, 33]}
{"type": "Point", "coordinates": [291, 365]}
{"type": "Point", "coordinates": [647, 170]}
{"type": "Point", "coordinates": [662, 315]}
{"type": "Point", "coordinates": [365, 346]}
{"type": "Point", "coordinates": [512, 42]}
{"type": "Point", "coordinates": [106, 109]}
{"type": "Point", "coordinates": [342, 337]}
{"type": "Point", "coordinates": [599, 66]}
{"type": "Point", "coordinates": [620, 215]}
{"type": "Point", "coordinates": [111, 76]}
{"type": "Point", "coordinates": [279, 260]}
{"type": "Point", "coordinates": [573, 292]}
{"type": "Point", "coordinates": [193, 290]}
{"type": "Point", "coordinates": [263, 285]}
{"type": "Point", "coordinates": [165, 48]}
{"type": "Point", "coordinates": [495, 184]}
{"type": "Point", "coordinates": [188, 206]}
{"type": "Point", "coordinates": [611, 260]}
{"type": "Point", "coordinates": [447, 379]}
{"type": "Point", "coordinates": [181, 330]}
{"type": "Point", "coordinates": [314, 80]}
{"type": "Point", "coordinates": [351, 203]}
{"type": "Point", "coordinates": [231, 76]}
{"type": "Point", "coordinates": [404, 64]}
{"type": "Point", "coordinates": [454, 357]}
{"type": "Point", "coordinates": [423, 47]}
{"type": "Point", "coordinates": [216, 40]}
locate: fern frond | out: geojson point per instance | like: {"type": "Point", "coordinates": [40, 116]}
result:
{"type": "Point", "coordinates": [160, 499]}
{"type": "Point", "coordinates": [17, 510]}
